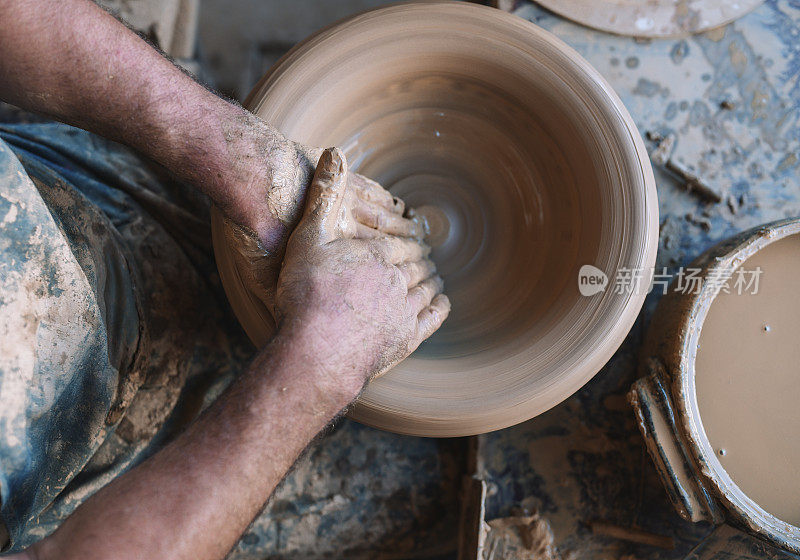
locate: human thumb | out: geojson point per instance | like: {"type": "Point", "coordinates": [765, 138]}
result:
{"type": "Point", "coordinates": [325, 197]}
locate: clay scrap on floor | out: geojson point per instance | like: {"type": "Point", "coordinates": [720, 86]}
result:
{"type": "Point", "coordinates": [519, 538]}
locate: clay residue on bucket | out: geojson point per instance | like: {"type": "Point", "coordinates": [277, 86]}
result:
{"type": "Point", "coordinates": [747, 381]}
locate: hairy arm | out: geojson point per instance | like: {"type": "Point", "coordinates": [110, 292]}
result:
{"type": "Point", "coordinates": [196, 497]}
{"type": "Point", "coordinates": [74, 62]}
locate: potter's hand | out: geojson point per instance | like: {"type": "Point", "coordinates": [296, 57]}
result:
{"type": "Point", "coordinates": [367, 303]}
{"type": "Point", "coordinates": [274, 203]}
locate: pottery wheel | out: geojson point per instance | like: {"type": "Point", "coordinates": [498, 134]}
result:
{"type": "Point", "coordinates": [651, 18]}
{"type": "Point", "coordinates": [525, 164]}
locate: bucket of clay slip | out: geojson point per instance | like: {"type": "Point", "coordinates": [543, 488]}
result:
{"type": "Point", "coordinates": [526, 164]}
{"type": "Point", "coordinates": [719, 403]}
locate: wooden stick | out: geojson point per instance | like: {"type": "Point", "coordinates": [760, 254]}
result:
{"type": "Point", "coordinates": [631, 534]}
{"type": "Point", "coordinates": [693, 184]}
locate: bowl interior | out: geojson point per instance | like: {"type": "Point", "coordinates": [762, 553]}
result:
{"type": "Point", "coordinates": [527, 168]}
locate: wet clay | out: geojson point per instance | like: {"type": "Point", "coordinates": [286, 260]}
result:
{"type": "Point", "coordinates": [523, 166]}
{"type": "Point", "coordinates": [748, 382]}
{"type": "Point", "coordinates": [434, 222]}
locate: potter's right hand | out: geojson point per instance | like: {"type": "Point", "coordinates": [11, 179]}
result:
{"type": "Point", "coordinates": [364, 304]}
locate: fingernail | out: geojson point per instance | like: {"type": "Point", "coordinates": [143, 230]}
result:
{"type": "Point", "coordinates": [332, 161]}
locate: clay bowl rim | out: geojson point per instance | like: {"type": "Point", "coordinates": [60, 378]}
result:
{"type": "Point", "coordinates": [747, 511]}
{"type": "Point", "coordinates": [645, 231]}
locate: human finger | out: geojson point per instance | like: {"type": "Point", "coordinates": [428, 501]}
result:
{"type": "Point", "coordinates": [398, 250]}
{"type": "Point", "coordinates": [325, 197]}
{"type": "Point", "coordinates": [417, 271]}
{"type": "Point", "coordinates": [370, 191]}
{"type": "Point", "coordinates": [365, 232]}
{"type": "Point", "coordinates": [431, 318]}
{"type": "Point", "coordinates": [420, 296]}
{"type": "Point", "coordinates": [385, 220]}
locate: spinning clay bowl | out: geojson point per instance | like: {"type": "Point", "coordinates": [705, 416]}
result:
{"type": "Point", "coordinates": [526, 166]}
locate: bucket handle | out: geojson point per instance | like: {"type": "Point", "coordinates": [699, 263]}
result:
{"type": "Point", "coordinates": [656, 420]}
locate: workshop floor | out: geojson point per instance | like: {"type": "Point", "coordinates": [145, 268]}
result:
{"type": "Point", "coordinates": [240, 39]}
{"type": "Point", "coordinates": [730, 98]}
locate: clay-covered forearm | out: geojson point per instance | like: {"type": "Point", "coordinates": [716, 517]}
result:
{"type": "Point", "coordinates": [195, 498]}
{"type": "Point", "coordinates": [74, 62]}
